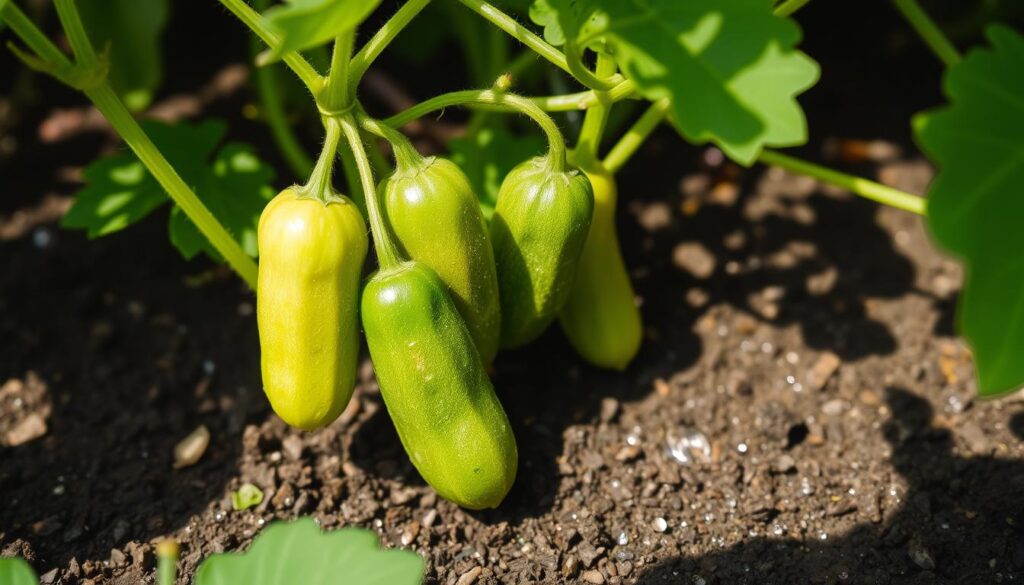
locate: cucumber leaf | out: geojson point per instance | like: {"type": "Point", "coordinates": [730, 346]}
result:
{"type": "Point", "coordinates": [976, 202]}
{"type": "Point", "coordinates": [298, 552]}
{"type": "Point", "coordinates": [303, 24]}
{"type": "Point", "coordinates": [232, 182]}
{"type": "Point", "coordinates": [729, 67]}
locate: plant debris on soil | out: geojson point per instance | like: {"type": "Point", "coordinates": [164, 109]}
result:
{"type": "Point", "coordinates": [801, 411]}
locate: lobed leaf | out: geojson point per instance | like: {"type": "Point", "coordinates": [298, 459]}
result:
{"type": "Point", "coordinates": [976, 202]}
{"type": "Point", "coordinates": [729, 67]}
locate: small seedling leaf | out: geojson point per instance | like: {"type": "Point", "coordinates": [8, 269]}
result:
{"type": "Point", "coordinates": [298, 552]}
{"type": "Point", "coordinates": [976, 202]}
{"type": "Point", "coordinates": [246, 497]}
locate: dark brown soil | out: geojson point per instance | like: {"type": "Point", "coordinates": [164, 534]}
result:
{"type": "Point", "coordinates": [799, 337]}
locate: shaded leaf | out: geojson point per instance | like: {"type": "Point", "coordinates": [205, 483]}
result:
{"type": "Point", "coordinates": [132, 28]}
{"type": "Point", "coordinates": [976, 202]}
{"type": "Point", "coordinates": [120, 191]}
{"type": "Point", "coordinates": [16, 571]}
{"type": "Point", "coordinates": [234, 186]}
{"type": "Point", "coordinates": [298, 552]}
{"type": "Point", "coordinates": [303, 24]}
{"type": "Point", "coordinates": [488, 155]}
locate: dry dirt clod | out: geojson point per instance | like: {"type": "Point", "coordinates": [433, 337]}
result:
{"type": "Point", "coordinates": [470, 576]}
{"type": "Point", "coordinates": [822, 370]}
{"type": "Point", "coordinates": [30, 428]}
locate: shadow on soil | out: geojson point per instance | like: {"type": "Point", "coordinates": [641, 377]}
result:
{"type": "Point", "coordinates": [950, 501]}
{"type": "Point", "coordinates": [123, 362]}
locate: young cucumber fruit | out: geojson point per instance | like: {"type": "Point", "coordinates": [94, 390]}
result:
{"type": "Point", "coordinates": [436, 389]}
{"type": "Point", "coordinates": [600, 318]}
{"type": "Point", "coordinates": [307, 295]}
{"type": "Point", "coordinates": [538, 230]}
{"type": "Point", "coordinates": [435, 217]}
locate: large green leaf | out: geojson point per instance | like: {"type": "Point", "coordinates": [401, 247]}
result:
{"type": "Point", "coordinates": [303, 24]}
{"type": "Point", "coordinates": [488, 155]}
{"type": "Point", "coordinates": [16, 571]}
{"type": "Point", "coordinates": [976, 203]}
{"type": "Point", "coordinates": [120, 191]}
{"type": "Point", "coordinates": [298, 552]}
{"type": "Point", "coordinates": [132, 29]}
{"type": "Point", "coordinates": [729, 67]}
{"type": "Point", "coordinates": [234, 186]}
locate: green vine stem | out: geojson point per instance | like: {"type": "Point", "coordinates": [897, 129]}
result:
{"type": "Point", "coordinates": [488, 97]}
{"type": "Point", "coordinates": [585, 100]}
{"type": "Point", "coordinates": [574, 58]}
{"type": "Point", "coordinates": [381, 39]}
{"type": "Point", "coordinates": [335, 93]}
{"type": "Point", "coordinates": [107, 102]}
{"type": "Point", "coordinates": [296, 62]}
{"type": "Point", "coordinates": [929, 31]}
{"type": "Point", "coordinates": [387, 252]}
{"type": "Point", "coordinates": [273, 110]}
{"type": "Point", "coordinates": [319, 185]}
{"type": "Point", "coordinates": [863, 187]}
{"type": "Point", "coordinates": [589, 141]}
{"type": "Point", "coordinates": [620, 154]}
{"type": "Point", "coordinates": [788, 7]}
{"type": "Point", "coordinates": [406, 155]}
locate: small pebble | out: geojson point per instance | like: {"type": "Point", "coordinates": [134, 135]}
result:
{"type": "Point", "coordinates": [593, 576]}
{"type": "Point", "coordinates": [660, 524]}
{"type": "Point", "coordinates": [190, 449]}
{"type": "Point", "coordinates": [470, 576]}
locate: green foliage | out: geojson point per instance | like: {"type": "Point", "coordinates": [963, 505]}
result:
{"type": "Point", "coordinates": [131, 28]}
{"type": "Point", "coordinates": [247, 496]}
{"type": "Point", "coordinates": [544, 15]}
{"type": "Point", "coordinates": [488, 155]}
{"type": "Point", "coordinates": [728, 66]}
{"type": "Point", "coordinates": [303, 24]}
{"type": "Point", "coordinates": [976, 203]}
{"type": "Point", "coordinates": [16, 571]}
{"type": "Point", "coordinates": [234, 186]}
{"type": "Point", "coordinates": [298, 552]}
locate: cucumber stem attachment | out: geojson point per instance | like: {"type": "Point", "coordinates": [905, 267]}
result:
{"type": "Point", "coordinates": [490, 97]}
{"type": "Point", "coordinates": [387, 251]}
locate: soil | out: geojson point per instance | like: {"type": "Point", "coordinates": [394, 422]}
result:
{"type": "Point", "coordinates": [801, 411]}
